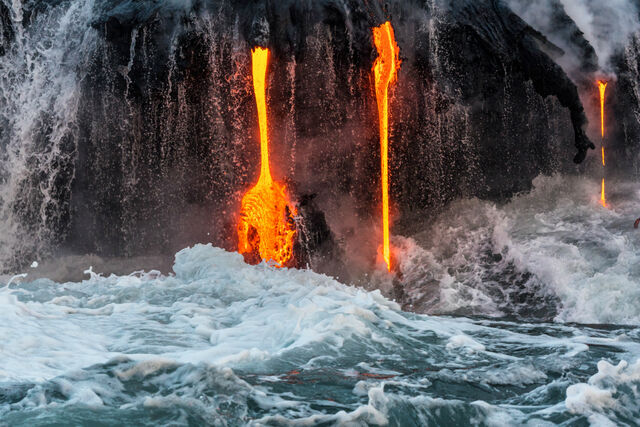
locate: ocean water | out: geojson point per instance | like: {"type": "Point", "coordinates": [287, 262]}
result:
{"type": "Point", "coordinates": [532, 319]}
{"type": "Point", "coordinates": [553, 254]}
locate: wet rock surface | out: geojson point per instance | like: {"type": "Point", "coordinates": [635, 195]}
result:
{"type": "Point", "coordinates": [164, 141]}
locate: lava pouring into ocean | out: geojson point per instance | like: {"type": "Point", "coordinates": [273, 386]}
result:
{"type": "Point", "coordinates": [385, 70]}
{"type": "Point", "coordinates": [266, 229]}
{"type": "Point", "coordinates": [602, 85]}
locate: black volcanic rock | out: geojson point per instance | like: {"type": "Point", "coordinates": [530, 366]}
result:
{"type": "Point", "coordinates": [501, 37]}
{"type": "Point", "coordinates": [552, 20]}
{"type": "Point", "coordinates": [168, 107]}
{"type": "Point", "coordinates": [582, 64]}
{"type": "Point", "coordinates": [166, 127]}
{"type": "Point", "coordinates": [6, 29]}
{"type": "Point", "coordinates": [317, 247]}
{"type": "Point", "coordinates": [623, 107]}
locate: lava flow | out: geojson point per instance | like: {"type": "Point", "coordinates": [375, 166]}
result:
{"type": "Point", "coordinates": [602, 85]}
{"type": "Point", "coordinates": [385, 71]}
{"type": "Point", "coordinates": [266, 230]}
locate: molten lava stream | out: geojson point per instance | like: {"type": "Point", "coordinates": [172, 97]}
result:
{"type": "Point", "coordinates": [266, 229]}
{"type": "Point", "coordinates": [602, 85]}
{"type": "Point", "coordinates": [385, 71]}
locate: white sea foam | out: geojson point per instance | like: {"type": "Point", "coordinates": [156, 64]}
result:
{"type": "Point", "coordinates": [464, 341]}
{"type": "Point", "coordinates": [216, 310]}
{"type": "Point", "coordinates": [552, 252]}
{"type": "Point", "coordinates": [199, 339]}
{"type": "Point", "coordinates": [611, 394]}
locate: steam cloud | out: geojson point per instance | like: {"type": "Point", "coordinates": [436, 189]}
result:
{"type": "Point", "coordinates": [606, 25]}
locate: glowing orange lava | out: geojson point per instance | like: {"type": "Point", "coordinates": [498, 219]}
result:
{"type": "Point", "coordinates": [266, 230]}
{"type": "Point", "coordinates": [385, 71]}
{"type": "Point", "coordinates": [603, 87]}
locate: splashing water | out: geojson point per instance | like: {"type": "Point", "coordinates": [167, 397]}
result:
{"type": "Point", "coordinates": [553, 254]}
{"type": "Point", "coordinates": [225, 342]}
{"type": "Point", "coordinates": [39, 94]}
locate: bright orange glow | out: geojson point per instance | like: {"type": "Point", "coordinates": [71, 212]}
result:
{"type": "Point", "coordinates": [603, 87]}
{"type": "Point", "coordinates": [385, 71]}
{"type": "Point", "coordinates": [266, 227]}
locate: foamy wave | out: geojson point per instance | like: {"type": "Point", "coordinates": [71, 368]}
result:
{"type": "Point", "coordinates": [610, 395]}
{"type": "Point", "coordinates": [553, 253]}
{"type": "Point", "coordinates": [221, 340]}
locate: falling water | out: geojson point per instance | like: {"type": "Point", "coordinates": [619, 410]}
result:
{"type": "Point", "coordinates": [40, 80]}
{"type": "Point", "coordinates": [129, 129]}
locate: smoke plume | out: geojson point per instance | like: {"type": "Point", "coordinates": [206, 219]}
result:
{"type": "Point", "coordinates": [605, 25]}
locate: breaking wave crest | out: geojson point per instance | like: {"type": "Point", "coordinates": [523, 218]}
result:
{"type": "Point", "coordinates": [221, 342]}
{"type": "Point", "coordinates": [551, 254]}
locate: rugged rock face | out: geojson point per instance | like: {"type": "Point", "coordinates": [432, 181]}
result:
{"type": "Point", "coordinates": [507, 41]}
{"type": "Point", "coordinates": [6, 29]}
{"type": "Point", "coordinates": [613, 28]}
{"type": "Point", "coordinates": [165, 138]}
{"type": "Point", "coordinates": [624, 101]}
{"type": "Point", "coordinates": [578, 57]}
